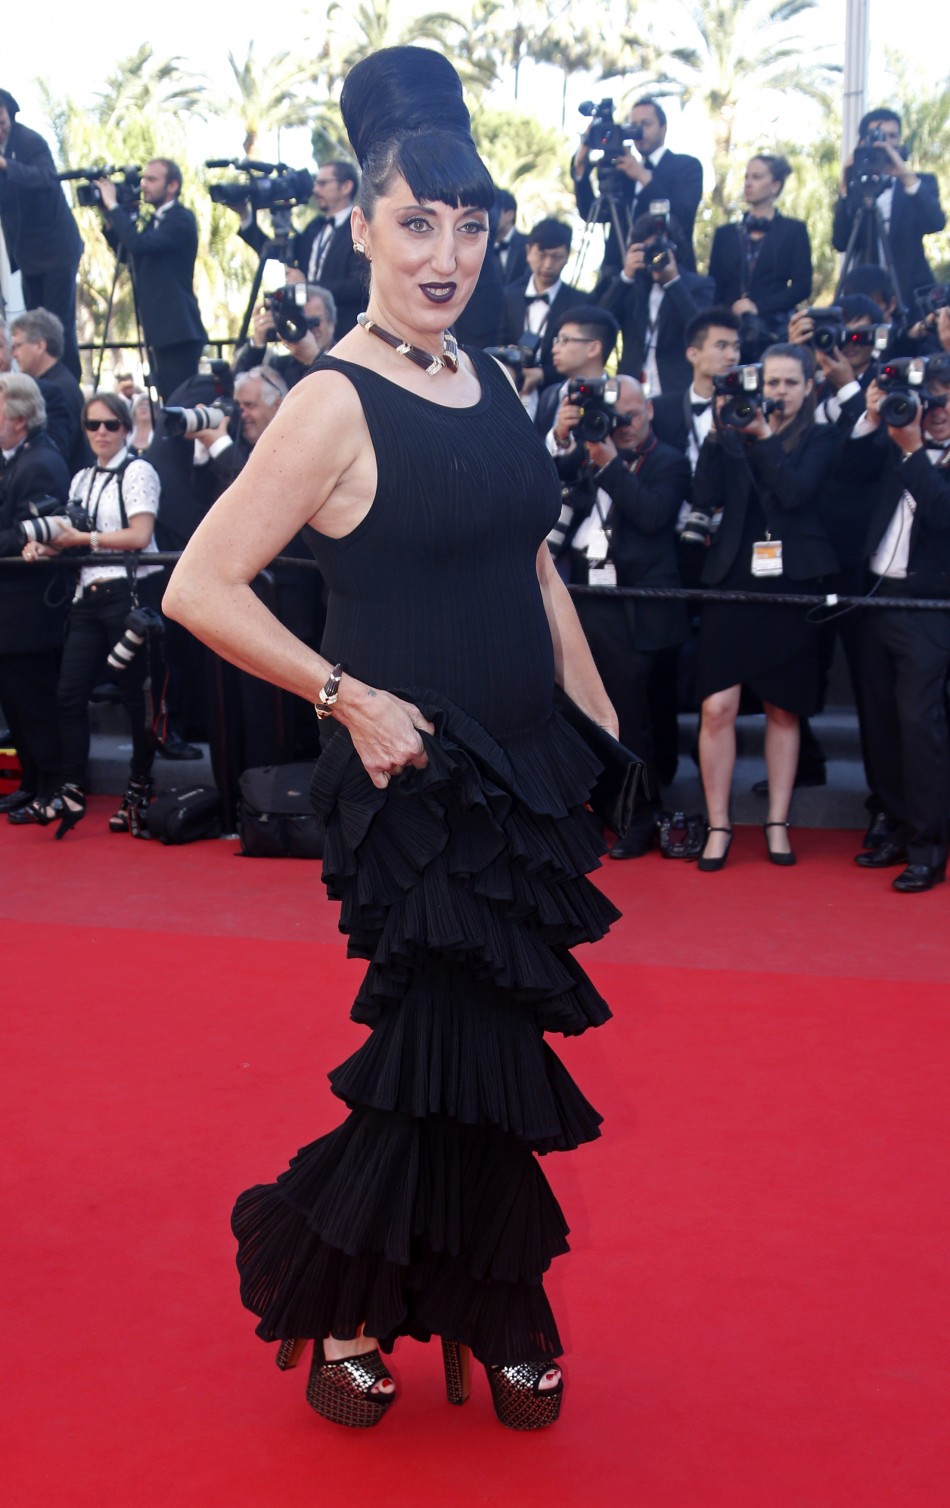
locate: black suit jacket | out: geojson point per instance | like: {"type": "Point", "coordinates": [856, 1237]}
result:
{"type": "Point", "coordinates": [630, 304]}
{"type": "Point", "coordinates": [913, 216]}
{"type": "Point", "coordinates": [789, 486]}
{"type": "Point", "coordinates": [676, 177]}
{"type": "Point", "coordinates": [344, 273]}
{"type": "Point", "coordinates": [516, 261]}
{"type": "Point", "coordinates": [646, 506]}
{"type": "Point", "coordinates": [670, 423]}
{"type": "Point", "coordinates": [38, 225]}
{"type": "Point", "coordinates": [782, 275]}
{"type": "Point", "coordinates": [163, 264]}
{"type": "Point", "coordinates": [878, 459]}
{"type": "Point", "coordinates": [64, 404]}
{"type": "Point", "coordinates": [514, 313]}
{"type": "Point", "coordinates": [27, 622]}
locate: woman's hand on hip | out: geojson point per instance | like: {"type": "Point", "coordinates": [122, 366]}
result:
{"type": "Point", "coordinates": [386, 732]}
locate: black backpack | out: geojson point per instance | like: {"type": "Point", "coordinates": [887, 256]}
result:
{"type": "Point", "coordinates": [276, 819]}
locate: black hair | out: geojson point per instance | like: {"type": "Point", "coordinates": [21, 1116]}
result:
{"type": "Point", "coordinates": [778, 166]}
{"type": "Point", "coordinates": [549, 234]}
{"type": "Point", "coordinates": [805, 357]}
{"type": "Point", "coordinates": [718, 316]}
{"type": "Point", "coordinates": [594, 324]}
{"type": "Point", "coordinates": [405, 116]}
{"type": "Point", "coordinates": [660, 112]}
{"type": "Point", "coordinates": [6, 98]}
{"type": "Point", "coordinates": [883, 114]}
{"type": "Point", "coordinates": [172, 170]}
{"type": "Point", "coordinates": [802, 354]}
{"type": "Point", "coordinates": [115, 403]}
{"type": "Point", "coordinates": [505, 200]}
{"type": "Point", "coordinates": [870, 278]}
{"type": "Point", "coordinates": [344, 172]}
{"type": "Point", "coordinates": [858, 306]}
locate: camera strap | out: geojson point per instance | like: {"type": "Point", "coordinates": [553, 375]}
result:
{"type": "Point", "coordinates": [117, 473]}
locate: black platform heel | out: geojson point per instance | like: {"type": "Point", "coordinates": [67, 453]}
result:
{"type": "Point", "coordinates": [68, 804]}
{"type": "Point", "coordinates": [342, 1391]}
{"type": "Point", "coordinates": [130, 818]}
{"type": "Point", "coordinates": [520, 1401]}
{"type": "Point", "coordinates": [786, 860]}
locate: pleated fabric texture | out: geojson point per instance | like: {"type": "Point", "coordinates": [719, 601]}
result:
{"type": "Point", "coordinates": [464, 886]}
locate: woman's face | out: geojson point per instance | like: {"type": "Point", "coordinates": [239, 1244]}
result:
{"type": "Point", "coordinates": [104, 443]}
{"type": "Point", "coordinates": [783, 378]}
{"type": "Point", "coordinates": [759, 187]}
{"type": "Point", "coordinates": [425, 259]}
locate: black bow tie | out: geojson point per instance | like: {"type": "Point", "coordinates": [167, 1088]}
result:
{"type": "Point", "coordinates": [537, 298]}
{"type": "Point", "coordinates": [755, 223]}
{"type": "Point", "coordinates": [700, 408]}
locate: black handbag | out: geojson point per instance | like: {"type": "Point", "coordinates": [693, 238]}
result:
{"type": "Point", "coordinates": [276, 819]}
{"type": "Point", "coordinates": [614, 796]}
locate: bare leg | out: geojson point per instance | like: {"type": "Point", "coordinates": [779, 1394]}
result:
{"type": "Point", "coordinates": [717, 762]}
{"type": "Point", "coordinates": [782, 738]}
{"type": "Point", "coordinates": [339, 1350]}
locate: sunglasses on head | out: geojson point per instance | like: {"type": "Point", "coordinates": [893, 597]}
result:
{"type": "Point", "coordinates": [110, 424]}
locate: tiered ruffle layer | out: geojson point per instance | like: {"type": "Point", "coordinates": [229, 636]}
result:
{"type": "Point", "coordinates": [426, 1211]}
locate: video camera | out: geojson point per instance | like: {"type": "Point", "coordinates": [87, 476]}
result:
{"type": "Point", "coordinates": [286, 304]}
{"type": "Point", "coordinates": [904, 384]}
{"type": "Point", "coordinates": [745, 395]}
{"type": "Point", "coordinates": [604, 135]}
{"type": "Point", "coordinates": [871, 165]}
{"type": "Point", "coordinates": [597, 398]}
{"type": "Point", "coordinates": [128, 186]}
{"type": "Point", "coordinates": [266, 185]}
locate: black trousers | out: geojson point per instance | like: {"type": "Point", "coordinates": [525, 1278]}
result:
{"type": "Point", "coordinates": [175, 364]}
{"type": "Point", "coordinates": [55, 290]}
{"type": "Point", "coordinates": [28, 697]}
{"type": "Point", "coordinates": [904, 666]}
{"type": "Point", "coordinates": [96, 624]}
{"type": "Point", "coordinates": [625, 672]}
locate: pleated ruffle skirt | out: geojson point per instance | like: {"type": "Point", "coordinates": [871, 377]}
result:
{"type": "Point", "coordinates": [426, 1212]}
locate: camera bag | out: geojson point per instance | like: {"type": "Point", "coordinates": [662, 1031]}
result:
{"type": "Point", "coordinates": [275, 817]}
{"type": "Point", "coordinates": [679, 836]}
{"type": "Point", "coordinates": [185, 816]}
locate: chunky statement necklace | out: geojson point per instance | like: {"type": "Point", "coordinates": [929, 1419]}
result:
{"type": "Point", "coordinates": [424, 359]}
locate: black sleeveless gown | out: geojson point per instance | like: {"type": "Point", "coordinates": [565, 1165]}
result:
{"type": "Point", "coordinates": [463, 884]}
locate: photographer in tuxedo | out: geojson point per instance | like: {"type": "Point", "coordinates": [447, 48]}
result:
{"type": "Point", "coordinates": [41, 236]}
{"type": "Point", "coordinates": [654, 299]}
{"type": "Point", "coordinates": [38, 343]}
{"type": "Point", "coordinates": [762, 266]}
{"type": "Point", "coordinates": [651, 171]}
{"type": "Point", "coordinates": [510, 246]}
{"type": "Point", "coordinates": [905, 655]}
{"type": "Point", "coordinates": [636, 485]}
{"type": "Point", "coordinates": [161, 257]}
{"type": "Point", "coordinates": [317, 318]}
{"type": "Point", "coordinates": [536, 304]}
{"type": "Point", "coordinates": [907, 202]}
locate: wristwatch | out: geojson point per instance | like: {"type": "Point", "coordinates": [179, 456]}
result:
{"type": "Point", "coordinates": [327, 695]}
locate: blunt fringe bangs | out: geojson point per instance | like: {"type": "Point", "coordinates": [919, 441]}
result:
{"type": "Point", "coordinates": [439, 166]}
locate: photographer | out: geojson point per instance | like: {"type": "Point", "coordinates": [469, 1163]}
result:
{"type": "Point", "coordinates": [535, 305]}
{"type": "Point", "coordinates": [112, 514]}
{"type": "Point", "coordinates": [627, 539]}
{"type": "Point", "coordinates": [654, 300]}
{"type": "Point", "coordinates": [305, 330]}
{"type": "Point", "coordinates": [762, 266]}
{"type": "Point", "coordinates": [509, 246]}
{"type": "Point", "coordinates": [764, 466]}
{"type": "Point", "coordinates": [32, 609]}
{"type": "Point", "coordinates": [41, 235]}
{"type": "Point", "coordinates": [651, 171]}
{"type": "Point", "coordinates": [161, 257]}
{"type": "Point", "coordinates": [322, 253]}
{"type": "Point", "coordinates": [905, 655]}
{"type": "Point", "coordinates": [907, 203]}
{"type": "Point", "coordinates": [582, 346]}
{"type": "Point", "coordinates": [37, 343]}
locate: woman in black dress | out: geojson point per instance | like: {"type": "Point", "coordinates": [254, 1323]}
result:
{"type": "Point", "coordinates": [764, 481]}
{"type": "Point", "coordinates": [453, 796]}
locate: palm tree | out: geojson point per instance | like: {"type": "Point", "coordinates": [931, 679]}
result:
{"type": "Point", "coordinates": [268, 95]}
{"type": "Point", "coordinates": [356, 31]}
{"type": "Point", "coordinates": [141, 83]}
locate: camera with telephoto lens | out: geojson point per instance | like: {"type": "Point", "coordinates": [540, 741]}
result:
{"type": "Point", "coordinates": [903, 382]}
{"type": "Point", "coordinates": [597, 398]}
{"type": "Point", "coordinates": [266, 185]}
{"type": "Point", "coordinates": [931, 300]}
{"type": "Point", "coordinates": [50, 518]}
{"type": "Point", "coordinates": [604, 135]}
{"type": "Point", "coordinates": [661, 249]}
{"type": "Point", "coordinates": [522, 356]}
{"type": "Point", "coordinates": [128, 186]}
{"type": "Point", "coordinates": [286, 304]}
{"type": "Point", "coordinates": [140, 622]}
{"type": "Point", "coordinates": [745, 396]}
{"type": "Point", "coordinates": [828, 333]}
{"type": "Point", "coordinates": [185, 422]}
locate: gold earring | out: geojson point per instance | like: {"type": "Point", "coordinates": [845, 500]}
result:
{"type": "Point", "coordinates": [359, 248]}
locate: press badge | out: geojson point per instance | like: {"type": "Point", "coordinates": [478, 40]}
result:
{"type": "Point", "coordinates": [767, 557]}
{"type": "Point", "coordinates": [600, 570]}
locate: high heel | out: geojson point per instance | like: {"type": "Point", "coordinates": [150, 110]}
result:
{"type": "Point", "coordinates": [519, 1399]}
{"type": "Point", "coordinates": [786, 860]}
{"type": "Point", "coordinates": [131, 814]}
{"type": "Point", "coordinates": [68, 804]}
{"type": "Point", "coordinates": [710, 866]}
{"type": "Point", "coordinates": [341, 1391]}
{"type": "Point", "coordinates": [289, 1353]}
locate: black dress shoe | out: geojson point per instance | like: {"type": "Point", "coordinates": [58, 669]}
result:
{"type": "Point", "coordinates": [882, 829]}
{"type": "Point", "coordinates": [885, 856]}
{"type": "Point", "coordinates": [13, 800]}
{"type": "Point", "coordinates": [633, 846]}
{"type": "Point", "coordinates": [176, 748]}
{"type": "Point", "coordinates": [919, 877]}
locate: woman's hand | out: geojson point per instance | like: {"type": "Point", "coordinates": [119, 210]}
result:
{"type": "Point", "coordinates": [34, 551]}
{"type": "Point", "coordinates": [760, 429]}
{"type": "Point", "coordinates": [69, 538]}
{"type": "Point", "coordinates": [386, 731]}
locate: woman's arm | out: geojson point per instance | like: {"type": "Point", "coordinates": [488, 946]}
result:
{"type": "Point", "coordinates": [314, 461]}
{"type": "Point", "coordinates": [574, 667]}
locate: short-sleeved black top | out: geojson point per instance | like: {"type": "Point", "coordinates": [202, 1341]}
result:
{"type": "Point", "coordinates": [437, 587]}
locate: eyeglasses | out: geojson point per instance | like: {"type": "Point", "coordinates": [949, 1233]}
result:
{"type": "Point", "coordinates": [581, 340]}
{"type": "Point", "coordinates": [312, 321]}
{"type": "Point", "coordinates": [112, 425]}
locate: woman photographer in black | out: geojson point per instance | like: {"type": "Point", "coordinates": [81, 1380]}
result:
{"type": "Point", "coordinates": [764, 480]}
{"type": "Point", "coordinates": [119, 498]}
{"type": "Point", "coordinates": [762, 266]}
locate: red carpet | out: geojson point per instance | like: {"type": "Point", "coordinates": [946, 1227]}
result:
{"type": "Point", "coordinates": [756, 1309]}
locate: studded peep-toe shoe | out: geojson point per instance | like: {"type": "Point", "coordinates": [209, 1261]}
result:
{"type": "Point", "coordinates": [342, 1391]}
{"type": "Point", "coordinates": [519, 1399]}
